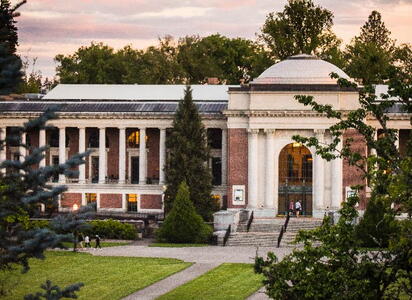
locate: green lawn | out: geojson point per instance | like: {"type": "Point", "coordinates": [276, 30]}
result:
{"type": "Point", "coordinates": [171, 245]}
{"type": "Point", "coordinates": [228, 281]}
{"type": "Point", "coordinates": [103, 277]}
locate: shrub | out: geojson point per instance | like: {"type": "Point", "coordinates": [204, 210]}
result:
{"type": "Point", "coordinates": [112, 229]}
{"type": "Point", "coordinates": [39, 224]}
{"type": "Point", "coordinates": [183, 224]}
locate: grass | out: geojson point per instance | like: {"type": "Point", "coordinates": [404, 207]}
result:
{"type": "Point", "coordinates": [103, 277]}
{"type": "Point", "coordinates": [226, 282]}
{"type": "Point", "coordinates": [172, 245]}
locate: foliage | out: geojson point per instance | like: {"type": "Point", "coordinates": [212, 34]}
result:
{"type": "Point", "coordinates": [183, 224]}
{"type": "Point", "coordinates": [300, 28]}
{"type": "Point", "coordinates": [10, 63]}
{"type": "Point", "coordinates": [104, 277]}
{"type": "Point", "coordinates": [112, 229]}
{"type": "Point", "coordinates": [188, 155]}
{"type": "Point", "coordinates": [371, 53]}
{"type": "Point", "coordinates": [73, 223]}
{"type": "Point", "coordinates": [53, 292]}
{"type": "Point", "coordinates": [332, 265]}
{"type": "Point", "coordinates": [226, 282]}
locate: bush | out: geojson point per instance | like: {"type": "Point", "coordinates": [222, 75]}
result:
{"type": "Point", "coordinates": [112, 229]}
{"type": "Point", "coordinates": [39, 224]}
{"type": "Point", "coordinates": [377, 226]}
{"type": "Point", "coordinates": [183, 224]}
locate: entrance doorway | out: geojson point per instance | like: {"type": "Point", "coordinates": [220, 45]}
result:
{"type": "Point", "coordinates": [295, 178]}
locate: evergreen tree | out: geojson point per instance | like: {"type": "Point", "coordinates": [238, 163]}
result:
{"type": "Point", "coordinates": [183, 224]}
{"type": "Point", "coordinates": [10, 63]}
{"type": "Point", "coordinates": [188, 157]}
{"type": "Point", "coordinates": [23, 188]}
{"type": "Point", "coordinates": [371, 53]}
{"type": "Point", "coordinates": [300, 28]}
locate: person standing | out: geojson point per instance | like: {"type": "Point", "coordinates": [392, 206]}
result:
{"type": "Point", "coordinates": [291, 207]}
{"type": "Point", "coordinates": [98, 242]}
{"type": "Point", "coordinates": [87, 242]}
{"type": "Point", "coordinates": [298, 208]}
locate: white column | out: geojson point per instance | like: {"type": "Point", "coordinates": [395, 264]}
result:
{"type": "Point", "coordinates": [224, 156]}
{"type": "Point", "coordinates": [82, 148]}
{"type": "Point", "coordinates": [84, 202]}
{"type": "Point", "coordinates": [102, 155]}
{"type": "Point", "coordinates": [270, 168]}
{"type": "Point", "coordinates": [319, 174]}
{"type": "Point", "coordinates": [42, 143]}
{"type": "Point", "coordinates": [23, 150]}
{"type": "Point", "coordinates": [337, 180]}
{"type": "Point", "coordinates": [3, 150]}
{"type": "Point", "coordinates": [162, 155]}
{"type": "Point", "coordinates": [142, 156]}
{"type": "Point", "coordinates": [122, 155]}
{"type": "Point", "coordinates": [375, 138]}
{"type": "Point", "coordinates": [62, 151]}
{"type": "Point", "coordinates": [252, 168]}
{"type": "Point", "coordinates": [398, 139]}
{"type": "Point", "coordinates": [124, 202]}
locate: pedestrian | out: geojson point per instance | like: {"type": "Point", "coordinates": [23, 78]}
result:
{"type": "Point", "coordinates": [98, 242]}
{"type": "Point", "coordinates": [80, 239]}
{"type": "Point", "coordinates": [298, 208]}
{"type": "Point", "coordinates": [87, 242]}
{"type": "Point", "coordinates": [291, 207]}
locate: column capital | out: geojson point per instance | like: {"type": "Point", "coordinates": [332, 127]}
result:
{"type": "Point", "coordinates": [102, 127]}
{"type": "Point", "coordinates": [81, 126]}
{"type": "Point", "coordinates": [253, 130]}
{"type": "Point", "coordinates": [319, 131]}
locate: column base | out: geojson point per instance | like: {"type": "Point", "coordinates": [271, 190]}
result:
{"type": "Point", "coordinates": [264, 213]}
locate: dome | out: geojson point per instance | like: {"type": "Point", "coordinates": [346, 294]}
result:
{"type": "Point", "coordinates": [300, 69]}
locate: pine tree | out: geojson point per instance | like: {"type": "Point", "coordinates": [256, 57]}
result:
{"type": "Point", "coordinates": [188, 157]}
{"type": "Point", "coordinates": [23, 188]}
{"type": "Point", "coordinates": [10, 63]}
{"type": "Point", "coordinates": [183, 224]}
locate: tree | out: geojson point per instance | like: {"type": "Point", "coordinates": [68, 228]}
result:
{"type": "Point", "coordinates": [371, 53]}
{"type": "Point", "coordinates": [183, 224]}
{"type": "Point", "coordinates": [332, 264]}
{"type": "Point", "coordinates": [32, 79]}
{"type": "Point", "coordinates": [188, 157]}
{"type": "Point", "coordinates": [10, 63]}
{"type": "Point", "coordinates": [300, 28]}
{"type": "Point", "coordinates": [23, 188]}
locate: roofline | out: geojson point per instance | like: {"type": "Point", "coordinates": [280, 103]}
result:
{"type": "Point", "coordinates": [292, 88]}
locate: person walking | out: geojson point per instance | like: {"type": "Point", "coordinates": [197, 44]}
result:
{"type": "Point", "coordinates": [87, 242]}
{"type": "Point", "coordinates": [291, 207]}
{"type": "Point", "coordinates": [98, 242]}
{"type": "Point", "coordinates": [298, 208]}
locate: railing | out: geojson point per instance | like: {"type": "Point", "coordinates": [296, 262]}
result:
{"type": "Point", "coordinates": [249, 222]}
{"type": "Point", "coordinates": [227, 234]}
{"type": "Point", "coordinates": [283, 229]}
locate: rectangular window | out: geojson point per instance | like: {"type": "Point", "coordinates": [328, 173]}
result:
{"type": "Point", "coordinates": [132, 202]}
{"type": "Point", "coordinates": [216, 171]}
{"type": "Point", "coordinates": [214, 138]}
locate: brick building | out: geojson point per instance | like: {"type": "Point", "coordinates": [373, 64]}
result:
{"type": "Point", "coordinates": [254, 161]}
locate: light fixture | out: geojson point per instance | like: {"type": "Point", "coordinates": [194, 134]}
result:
{"type": "Point", "coordinates": [75, 207]}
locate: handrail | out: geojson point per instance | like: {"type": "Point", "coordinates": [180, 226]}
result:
{"type": "Point", "coordinates": [227, 234]}
{"type": "Point", "coordinates": [283, 229]}
{"type": "Point", "coordinates": [280, 235]}
{"type": "Point", "coordinates": [249, 222]}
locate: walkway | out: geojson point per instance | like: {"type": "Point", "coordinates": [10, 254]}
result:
{"type": "Point", "coordinates": [204, 259]}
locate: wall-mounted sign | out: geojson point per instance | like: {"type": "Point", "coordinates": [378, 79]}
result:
{"type": "Point", "coordinates": [238, 195]}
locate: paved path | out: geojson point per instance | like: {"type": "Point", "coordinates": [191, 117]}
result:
{"type": "Point", "coordinates": [170, 283]}
{"type": "Point", "coordinates": [204, 259]}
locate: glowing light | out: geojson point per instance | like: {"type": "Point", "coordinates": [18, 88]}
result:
{"type": "Point", "coordinates": [296, 145]}
{"type": "Point", "coordinates": [75, 207]}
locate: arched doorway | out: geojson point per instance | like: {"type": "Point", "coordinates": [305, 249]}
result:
{"type": "Point", "coordinates": [295, 178]}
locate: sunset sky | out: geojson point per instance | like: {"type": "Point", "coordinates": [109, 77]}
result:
{"type": "Point", "coordinates": [50, 27]}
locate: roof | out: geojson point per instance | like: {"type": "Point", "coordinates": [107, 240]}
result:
{"type": "Point", "coordinates": [107, 107]}
{"type": "Point", "coordinates": [136, 92]}
{"type": "Point", "coordinates": [300, 69]}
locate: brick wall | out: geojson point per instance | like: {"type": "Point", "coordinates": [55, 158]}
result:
{"type": "Point", "coordinates": [113, 155]}
{"type": "Point", "coordinates": [111, 200]}
{"type": "Point", "coordinates": [151, 201]}
{"type": "Point", "coordinates": [153, 153]}
{"type": "Point", "coordinates": [69, 199]}
{"type": "Point", "coordinates": [237, 162]}
{"type": "Point", "coordinates": [351, 174]}
{"type": "Point", "coordinates": [73, 135]}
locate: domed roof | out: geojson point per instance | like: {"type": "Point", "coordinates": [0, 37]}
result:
{"type": "Point", "coordinates": [300, 69]}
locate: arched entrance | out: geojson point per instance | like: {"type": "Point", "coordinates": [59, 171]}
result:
{"type": "Point", "coordinates": [295, 178]}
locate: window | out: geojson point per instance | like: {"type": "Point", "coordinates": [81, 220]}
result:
{"type": "Point", "coordinates": [214, 138]}
{"type": "Point", "coordinates": [93, 139]}
{"type": "Point", "coordinates": [216, 171]}
{"type": "Point", "coordinates": [91, 198]}
{"type": "Point", "coordinates": [131, 202]}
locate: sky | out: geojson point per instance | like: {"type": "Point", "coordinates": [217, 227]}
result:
{"type": "Point", "coordinates": [51, 27]}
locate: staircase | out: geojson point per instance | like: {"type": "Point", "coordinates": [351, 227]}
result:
{"type": "Point", "coordinates": [265, 232]}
